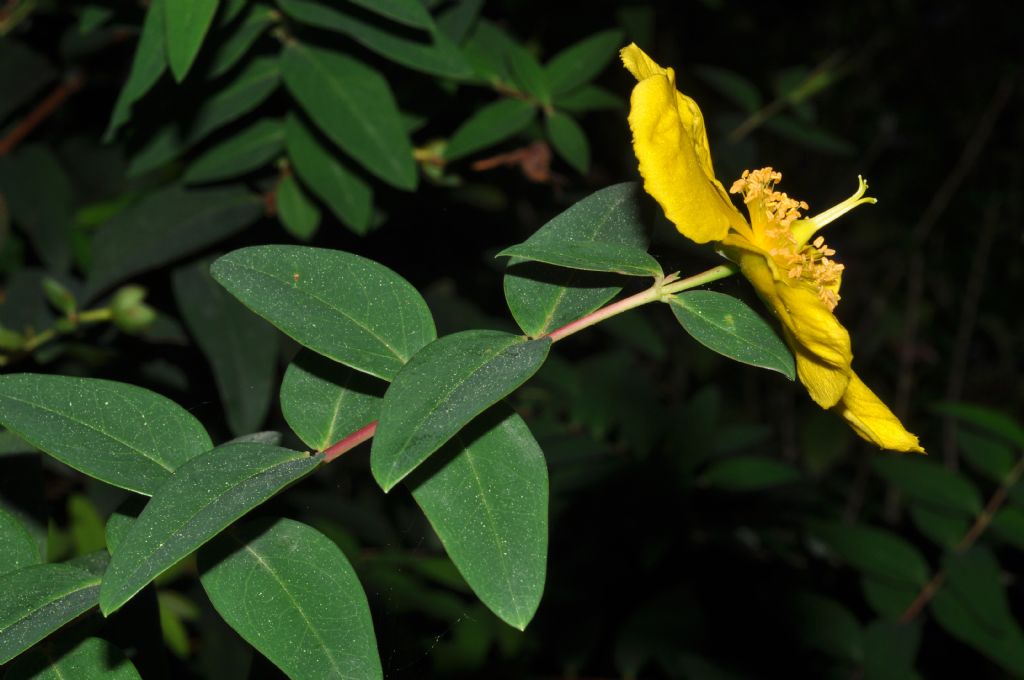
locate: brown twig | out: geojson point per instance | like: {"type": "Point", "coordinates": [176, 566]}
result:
{"type": "Point", "coordinates": [71, 84]}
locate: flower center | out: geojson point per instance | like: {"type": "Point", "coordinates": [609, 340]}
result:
{"type": "Point", "coordinates": [772, 217]}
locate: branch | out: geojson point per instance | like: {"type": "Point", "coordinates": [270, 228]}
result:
{"type": "Point", "coordinates": [42, 111]}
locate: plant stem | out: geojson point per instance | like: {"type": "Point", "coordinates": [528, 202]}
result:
{"type": "Point", "coordinates": [361, 435]}
{"type": "Point", "coordinates": [981, 523]}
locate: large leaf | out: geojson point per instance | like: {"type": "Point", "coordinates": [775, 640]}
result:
{"type": "Point", "coordinates": [408, 12]}
{"type": "Point", "coordinates": [39, 197]}
{"type": "Point", "coordinates": [353, 105]}
{"type": "Point", "coordinates": [202, 498]}
{"type": "Point", "coordinates": [23, 73]}
{"type": "Point", "coordinates": [148, 64]}
{"type": "Point", "coordinates": [528, 74]}
{"type": "Point", "coordinates": [580, 63]}
{"type": "Point", "coordinates": [491, 124]}
{"type": "Point", "coordinates": [348, 196]}
{"type": "Point", "coordinates": [291, 593]}
{"type": "Point", "coordinates": [749, 473]}
{"type": "Point", "coordinates": [18, 548]}
{"type": "Point", "coordinates": [443, 387]}
{"type": "Point", "coordinates": [249, 150]}
{"type": "Point", "coordinates": [343, 306]}
{"type": "Point", "coordinates": [121, 434]}
{"type": "Point", "coordinates": [929, 483]}
{"type": "Point", "coordinates": [244, 92]}
{"type": "Point", "coordinates": [439, 57]}
{"type": "Point", "coordinates": [165, 226]}
{"type": "Point", "coordinates": [588, 255]}
{"type": "Point", "coordinates": [324, 401]}
{"type": "Point", "coordinates": [569, 140]}
{"type": "Point", "coordinates": [877, 553]}
{"type": "Point", "coordinates": [728, 326]}
{"type": "Point", "coordinates": [972, 606]}
{"type": "Point", "coordinates": [486, 495]}
{"type": "Point", "coordinates": [240, 347]}
{"type": "Point", "coordinates": [73, 659]}
{"type": "Point", "coordinates": [40, 599]}
{"type": "Point", "coordinates": [187, 22]}
{"type": "Point", "coordinates": [987, 419]}
{"type": "Point", "coordinates": [542, 299]}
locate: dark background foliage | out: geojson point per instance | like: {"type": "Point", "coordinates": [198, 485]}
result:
{"type": "Point", "coordinates": [659, 566]}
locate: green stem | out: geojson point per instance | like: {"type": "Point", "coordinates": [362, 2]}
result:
{"type": "Point", "coordinates": [87, 317]}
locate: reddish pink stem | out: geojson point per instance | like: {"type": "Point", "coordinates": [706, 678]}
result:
{"type": "Point", "coordinates": [350, 442]}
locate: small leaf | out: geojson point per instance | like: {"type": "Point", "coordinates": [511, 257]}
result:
{"type": "Point", "coordinates": [1008, 526]}
{"type": "Point", "coordinates": [345, 193]}
{"type": "Point", "coordinates": [69, 658]}
{"type": "Point", "coordinates": [249, 150]}
{"type": "Point", "coordinates": [987, 419]}
{"type": "Point", "coordinates": [187, 22]}
{"type": "Point", "coordinates": [738, 89]}
{"type": "Point", "coordinates": [828, 626]}
{"type": "Point", "coordinates": [486, 495]}
{"type": "Point", "coordinates": [39, 196]}
{"type": "Point", "coordinates": [291, 593]}
{"type": "Point", "coordinates": [40, 599]}
{"type": "Point", "coordinates": [944, 528]}
{"type": "Point", "coordinates": [439, 57]}
{"type": "Point", "coordinates": [880, 554]}
{"type": "Point", "coordinates": [148, 64]}
{"type": "Point", "coordinates": [324, 401]}
{"type": "Point", "coordinates": [890, 649]}
{"type": "Point", "coordinates": [443, 387]}
{"type": "Point", "coordinates": [239, 346]}
{"type": "Point", "coordinates": [888, 598]}
{"type": "Point", "coordinates": [728, 326]}
{"type": "Point", "coordinates": [165, 226]}
{"type": "Point", "coordinates": [588, 98]}
{"type": "Point", "coordinates": [493, 123]}
{"type": "Point", "coordinates": [580, 63]}
{"type": "Point", "coordinates": [810, 136]}
{"type": "Point", "coordinates": [202, 498]}
{"type": "Point", "coordinates": [299, 215]}
{"type": "Point", "coordinates": [18, 548]}
{"type": "Point", "coordinates": [542, 299]}
{"type": "Point", "coordinates": [569, 141]}
{"type": "Point", "coordinates": [343, 306]}
{"type": "Point", "coordinates": [528, 74]}
{"type": "Point", "coordinates": [229, 51]}
{"type": "Point", "coordinates": [408, 12]}
{"type": "Point", "coordinates": [929, 483]}
{"type": "Point", "coordinates": [353, 105]}
{"type": "Point", "coordinates": [988, 455]}
{"type": "Point", "coordinates": [749, 473]}
{"type": "Point", "coordinates": [118, 433]}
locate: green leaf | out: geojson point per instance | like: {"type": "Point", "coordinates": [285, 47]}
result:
{"type": "Point", "coordinates": [249, 150]}
{"type": "Point", "coordinates": [165, 226]}
{"type": "Point", "coordinates": [408, 12]}
{"type": "Point", "coordinates": [187, 22]}
{"type": "Point", "coordinates": [40, 599]}
{"type": "Point", "coordinates": [810, 136]}
{"type": "Point", "coordinates": [493, 123]}
{"type": "Point", "coordinates": [324, 401]}
{"type": "Point", "coordinates": [728, 326]}
{"type": "Point", "coordinates": [23, 73]}
{"type": "Point", "coordinates": [299, 215]}
{"type": "Point", "coordinates": [929, 483]}
{"type": "Point", "coordinates": [588, 98]}
{"type": "Point", "coordinates": [876, 552]}
{"type": "Point", "coordinates": [353, 105]}
{"type": "Point", "coordinates": [202, 498]}
{"type": "Point", "coordinates": [731, 85]}
{"type": "Point", "coordinates": [580, 63]}
{"type": "Point", "coordinates": [944, 528]}
{"type": "Point", "coordinates": [240, 347]}
{"type": "Point", "coordinates": [64, 659]}
{"type": "Point", "coordinates": [443, 387]}
{"type": "Point", "coordinates": [345, 193]}
{"type": "Point", "coordinates": [486, 495]}
{"type": "Point", "coordinates": [18, 547]}
{"type": "Point", "coordinates": [528, 74]}
{"type": "Point", "coordinates": [457, 20]}
{"type": "Point", "coordinates": [828, 626]}
{"type": "Point", "coordinates": [889, 599]}
{"type": "Point", "coordinates": [973, 608]}
{"type": "Point", "coordinates": [118, 433]}
{"type": "Point", "coordinates": [40, 198]}
{"type": "Point", "coordinates": [541, 299]}
{"type": "Point", "coordinates": [749, 473]}
{"type": "Point", "coordinates": [348, 308]}
{"type": "Point", "coordinates": [569, 141]}
{"type": "Point", "coordinates": [588, 255]}
{"type": "Point", "coordinates": [1008, 526]}
{"type": "Point", "coordinates": [990, 456]}
{"type": "Point", "coordinates": [245, 91]}
{"type": "Point", "coordinates": [987, 419]}
{"type": "Point", "coordinates": [439, 57]}
{"type": "Point", "coordinates": [291, 593]}
{"type": "Point", "coordinates": [229, 51]}
{"type": "Point", "coordinates": [148, 64]}
{"type": "Point", "coordinates": [890, 649]}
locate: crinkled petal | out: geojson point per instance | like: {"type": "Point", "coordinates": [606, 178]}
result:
{"type": "Point", "coordinates": [825, 383]}
{"type": "Point", "coordinates": [872, 420]}
{"type": "Point", "coordinates": [672, 147]}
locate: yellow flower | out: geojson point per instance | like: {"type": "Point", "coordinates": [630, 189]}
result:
{"type": "Point", "coordinates": [778, 251]}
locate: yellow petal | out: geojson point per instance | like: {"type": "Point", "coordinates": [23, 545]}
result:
{"type": "Point", "coordinates": [825, 383]}
{"type": "Point", "coordinates": [872, 420]}
{"type": "Point", "coordinates": [672, 146]}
